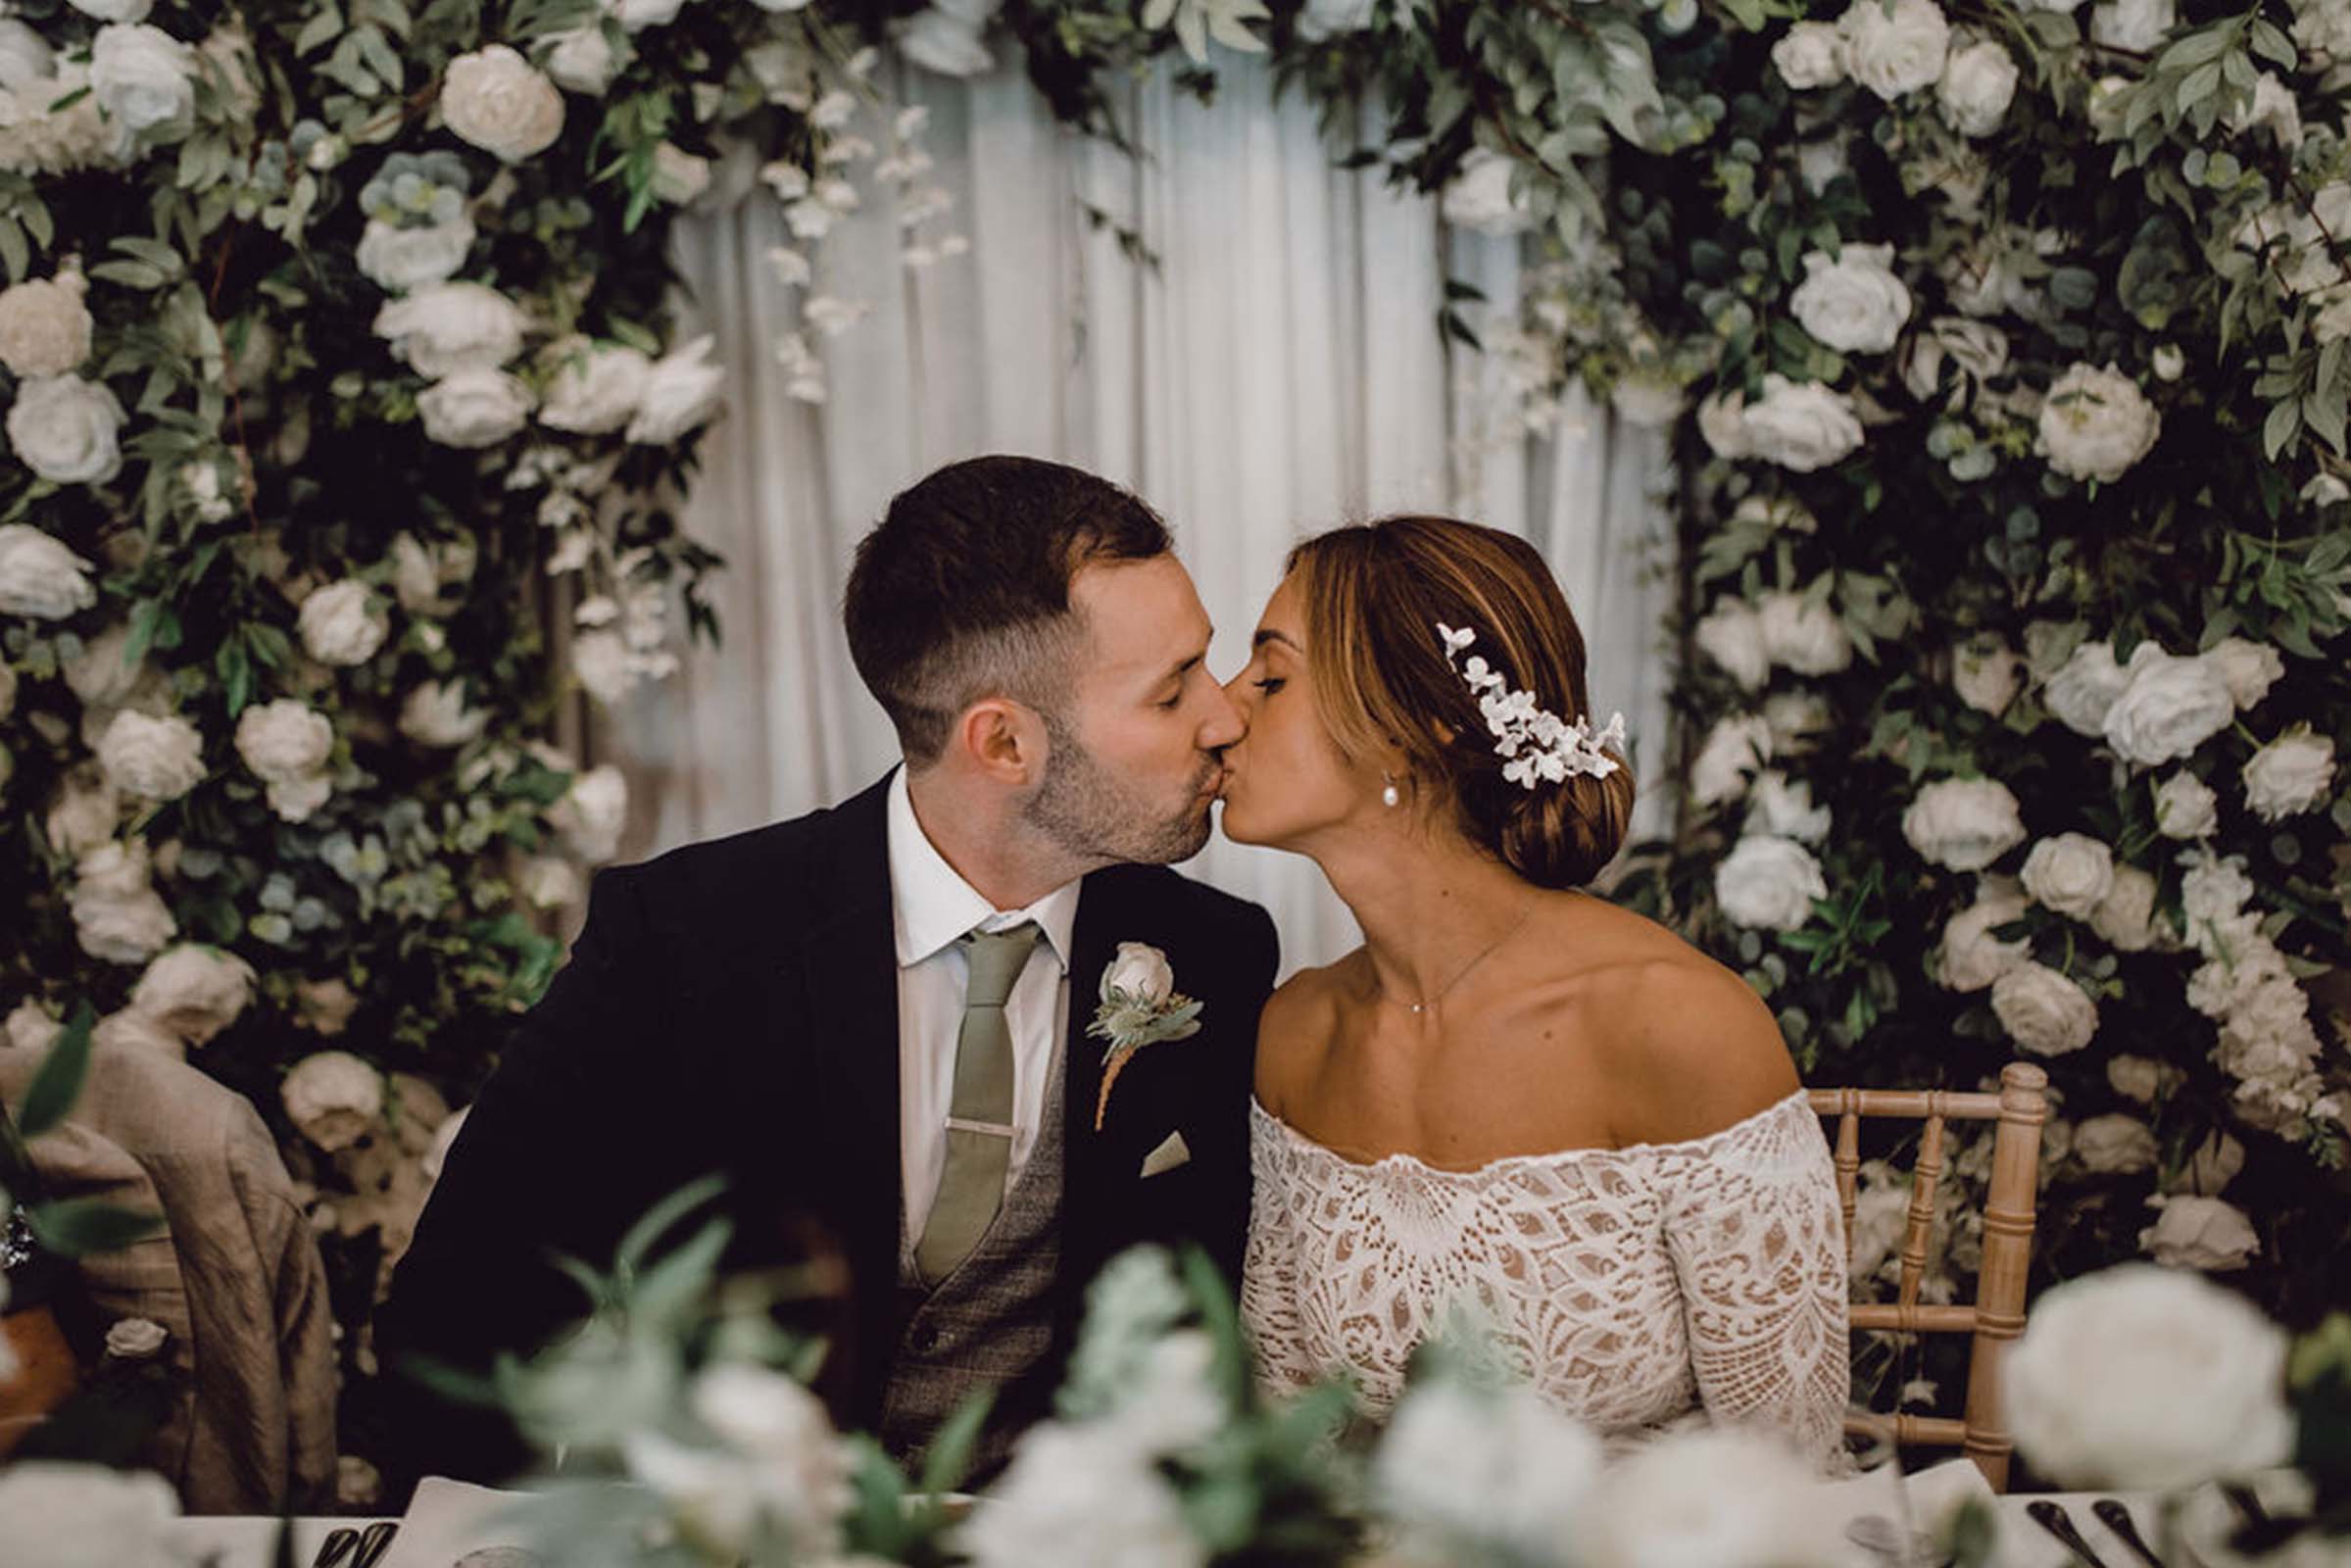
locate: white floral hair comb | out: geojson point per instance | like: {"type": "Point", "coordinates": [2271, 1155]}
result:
{"type": "Point", "coordinates": [1541, 746]}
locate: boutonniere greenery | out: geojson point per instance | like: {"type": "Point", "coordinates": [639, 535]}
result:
{"type": "Point", "coordinates": [1140, 1006]}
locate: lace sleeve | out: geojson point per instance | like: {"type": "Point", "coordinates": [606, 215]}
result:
{"type": "Point", "coordinates": [1753, 1225]}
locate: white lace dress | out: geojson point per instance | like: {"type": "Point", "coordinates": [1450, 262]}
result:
{"type": "Point", "coordinates": [1631, 1286]}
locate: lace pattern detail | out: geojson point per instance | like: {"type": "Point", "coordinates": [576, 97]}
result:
{"type": "Point", "coordinates": [1633, 1286]}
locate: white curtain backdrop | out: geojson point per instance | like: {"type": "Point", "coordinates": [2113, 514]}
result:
{"type": "Point", "coordinates": [1279, 372]}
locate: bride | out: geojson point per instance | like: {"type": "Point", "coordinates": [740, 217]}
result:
{"type": "Point", "coordinates": [1513, 1096]}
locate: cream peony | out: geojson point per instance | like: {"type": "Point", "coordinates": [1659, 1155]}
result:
{"type": "Point", "coordinates": [682, 390]}
{"type": "Point", "coordinates": [474, 408]}
{"type": "Point", "coordinates": [2071, 873]}
{"type": "Point", "coordinates": [394, 259]}
{"type": "Point", "coordinates": [1802, 427]}
{"type": "Point", "coordinates": [1737, 746]}
{"type": "Point", "coordinates": [1732, 635]}
{"type": "Point", "coordinates": [1964, 824]}
{"type": "Point", "coordinates": [2186, 808]}
{"type": "Point", "coordinates": [1804, 636]}
{"type": "Point", "coordinates": [333, 1098]}
{"type": "Point", "coordinates": [2115, 1144]}
{"type": "Point", "coordinates": [2084, 689]}
{"type": "Point", "coordinates": [155, 759]}
{"type": "Point", "coordinates": [493, 99]}
{"type": "Point", "coordinates": [1971, 958]}
{"type": "Point", "coordinates": [342, 624]}
{"type": "Point", "coordinates": [40, 577]}
{"type": "Point", "coordinates": [70, 1515]}
{"type": "Point", "coordinates": [435, 713]}
{"type": "Point", "coordinates": [2289, 775]}
{"type": "Point", "coordinates": [45, 327]}
{"type": "Point", "coordinates": [1769, 883]}
{"type": "Point", "coordinates": [593, 812]}
{"type": "Point", "coordinates": [1978, 82]}
{"type": "Point", "coordinates": [596, 388]}
{"type": "Point", "coordinates": [1481, 196]}
{"type": "Point", "coordinates": [144, 80]}
{"type": "Point", "coordinates": [1986, 674]}
{"type": "Point", "coordinates": [2248, 668]}
{"type": "Point", "coordinates": [2044, 1012]}
{"type": "Point", "coordinates": [1811, 55]}
{"type": "Point", "coordinates": [117, 915]}
{"type": "Point", "coordinates": [2125, 917]}
{"type": "Point", "coordinates": [194, 992]}
{"type": "Point", "coordinates": [446, 328]}
{"type": "Point", "coordinates": [1896, 54]}
{"type": "Point", "coordinates": [2096, 425]}
{"type": "Point", "coordinates": [1854, 302]}
{"type": "Point", "coordinates": [286, 743]}
{"type": "Point", "coordinates": [2146, 1377]}
{"type": "Point", "coordinates": [2135, 27]}
{"type": "Point", "coordinates": [2171, 706]}
{"type": "Point", "coordinates": [68, 431]}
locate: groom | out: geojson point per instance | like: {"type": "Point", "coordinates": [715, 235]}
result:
{"type": "Point", "coordinates": [872, 1020]}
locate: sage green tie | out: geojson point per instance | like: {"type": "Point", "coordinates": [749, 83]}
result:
{"type": "Point", "coordinates": [979, 1117]}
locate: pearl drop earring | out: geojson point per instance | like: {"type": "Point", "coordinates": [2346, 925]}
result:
{"type": "Point", "coordinates": [1389, 796]}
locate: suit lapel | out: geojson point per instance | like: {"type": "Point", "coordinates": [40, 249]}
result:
{"type": "Point", "coordinates": [1089, 1175]}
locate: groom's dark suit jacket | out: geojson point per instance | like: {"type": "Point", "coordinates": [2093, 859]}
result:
{"type": "Point", "coordinates": [733, 1008]}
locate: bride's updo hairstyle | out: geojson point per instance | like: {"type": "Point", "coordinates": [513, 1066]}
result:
{"type": "Point", "coordinates": [1373, 595]}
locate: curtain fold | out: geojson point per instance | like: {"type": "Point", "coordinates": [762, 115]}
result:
{"type": "Point", "coordinates": [1277, 370]}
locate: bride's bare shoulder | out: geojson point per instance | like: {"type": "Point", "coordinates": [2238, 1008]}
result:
{"type": "Point", "coordinates": [1296, 1029]}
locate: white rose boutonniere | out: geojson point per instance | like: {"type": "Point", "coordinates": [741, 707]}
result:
{"type": "Point", "coordinates": [1140, 1006]}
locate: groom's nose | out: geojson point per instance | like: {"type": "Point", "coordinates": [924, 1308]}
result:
{"type": "Point", "coordinates": [1224, 724]}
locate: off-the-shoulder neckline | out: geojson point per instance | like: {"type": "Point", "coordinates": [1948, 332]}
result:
{"type": "Point", "coordinates": [1590, 1152]}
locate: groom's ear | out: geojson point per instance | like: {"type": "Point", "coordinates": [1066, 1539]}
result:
{"type": "Point", "coordinates": [1002, 740]}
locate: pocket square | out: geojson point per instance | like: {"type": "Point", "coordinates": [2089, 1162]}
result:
{"type": "Point", "coordinates": [1167, 1157]}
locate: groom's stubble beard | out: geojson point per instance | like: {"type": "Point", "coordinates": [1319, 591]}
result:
{"type": "Point", "coordinates": [1083, 810]}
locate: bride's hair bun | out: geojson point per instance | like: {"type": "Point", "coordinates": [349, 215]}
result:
{"type": "Point", "coordinates": [1374, 594]}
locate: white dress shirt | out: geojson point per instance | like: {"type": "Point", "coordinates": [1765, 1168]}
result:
{"type": "Point", "coordinates": [931, 905]}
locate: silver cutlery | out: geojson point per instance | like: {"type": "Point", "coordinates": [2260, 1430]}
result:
{"type": "Point", "coordinates": [338, 1544]}
{"type": "Point", "coordinates": [2117, 1518]}
{"type": "Point", "coordinates": [377, 1539]}
{"type": "Point", "coordinates": [2057, 1522]}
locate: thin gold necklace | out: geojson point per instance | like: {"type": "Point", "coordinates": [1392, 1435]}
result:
{"type": "Point", "coordinates": [1426, 1003]}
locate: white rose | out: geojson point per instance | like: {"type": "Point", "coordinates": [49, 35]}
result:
{"type": "Point", "coordinates": [1506, 1471]}
{"type": "Point", "coordinates": [26, 58]}
{"type": "Point", "coordinates": [396, 259]}
{"type": "Point", "coordinates": [635, 16]}
{"type": "Point", "coordinates": [1737, 746]}
{"type": "Point", "coordinates": [1732, 635]}
{"type": "Point", "coordinates": [2042, 1011]}
{"type": "Point", "coordinates": [474, 408]}
{"type": "Point", "coordinates": [550, 882]}
{"type": "Point", "coordinates": [1853, 302]}
{"type": "Point", "coordinates": [1480, 196]}
{"type": "Point", "coordinates": [40, 577]}
{"type": "Point", "coordinates": [1805, 637]}
{"type": "Point", "coordinates": [1964, 824]}
{"type": "Point", "coordinates": [134, 1338]}
{"type": "Point", "coordinates": [678, 175]}
{"type": "Point", "coordinates": [2084, 688]}
{"type": "Point", "coordinates": [2274, 106]}
{"type": "Point", "coordinates": [62, 1515]}
{"type": "Point", "coordinates": [2249, 668]}
{"type": "Point", "coordinates": [582, 61]}
{"type": "Point", "coordinates": [2133, 26]}
{"type": "Point", "coordinates": [1725, 1498]}
{"type": "Point", "coordinates": [1986, 674]}
{"type": "Point", "coordinates": [144, 80]}
{"type": "Point", "coordinates": [2140, 1078]}
{"type": "Point", "coordinates": [100, 676]}
{"type": "Point", "coordinates": [2096, 425]}
{"type": "Point", "coordinates": [66, 429]}
{"type": "Point", "coordinates": [124, 11]}
{"type": "Point", "coordinates": [1070, 1498]}
{"type": "Point", "coordinates": [2125, 917]}
{"type": "Point", "coordinates": [2289, 775]}
{"type": "Point", "coordinates": [1977, 348]}
{"type": "Point", "coordinates": [446, 328]}
{"type": "Point", "coordinates": [601, 660]}
{"type": "Point", "coordinates": [285, 743]}
{"type": "Point", "coordinates": [493, 99]}
{"type": "Point", "coordinates": [1723, 422]}
{"type": "Point", "coordinates": [940, 41]}
{"type": "Point", "coordinates": [682, 390]}
{"type": "Point", "coordinates": [1802, 427]}
{"type": "Point", "coordinates": [1971, 958]}
{"type": "Point", "coordinates": [30, 1028]}
{"type": "Point", "coordinates": [1795, 719]}
{"type": "Point", "coordinates": [1141, 971]}
{"type": "Point", "coordinates": [1649, 399]}
{"type": "Point", "coordinates": [45, 327]}
{"type": "Point", "coordinates": [1978, 82]}
{"type": "Point", "coordinates": [596, 388]}
{"type": "Point", "coordinates": [2171, 706]}
{"type": "Point", "coordinates": [2115, 1144]}
{"type": "Point", "coordinates": [2208, 1235]}
{"type": "Point", "coordinates": [117, 915]}
{"type": "Point", "coordinates": [333, 1097]}
{"type": "Point", "coordinates": [1328, 19]}
{"type": "Point", "coordinates": [1822, 159]}
{"type": "Point", "coordinates": [1811, 55]}
{"type": "Point", "coordinates": [325, 1006]}
{"type": "Point", "coordinates": [2147, 1378]}
{"type": "Point", "coordinates": [435, 713]}
{"type": "Point", "coordinates": [1891, 55]}
{"type": "Point", "coordinates": [2070, 873]}
{"type": "Point", "coordinates": [1768, 883]}
{"type": "Point", "coordinates": [194, 992]}
{"type": "Point", "coordinates": [2214, 1165]}
{"type": "Point", "coordinates": [342, 624]}
{"type": "Point", "coordinates": [129, 1029]}
{"type": "Point", "coordinates": [156, 759]}
{"type": "Point", "coordinates": [593, 812]}
{"type": "Point", "coordinates": [84, 812]}
{"type": "Point", "coordinates": [1784, 809]}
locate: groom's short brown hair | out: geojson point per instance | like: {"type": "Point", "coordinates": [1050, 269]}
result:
{"type": "Point", "coordinates": [962, 591]}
